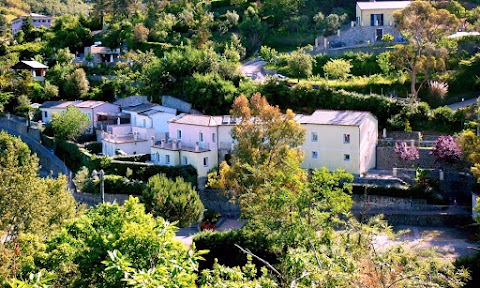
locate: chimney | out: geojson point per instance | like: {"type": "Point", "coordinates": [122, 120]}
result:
{"type": "Point", "coordinates": [174, 144]}
{"type": "Point", "coordinates": [162, 143]}
{"type": "Point", "coordinates": [197, 147]}
{"type": "Point", "coordinates": [152, 139]}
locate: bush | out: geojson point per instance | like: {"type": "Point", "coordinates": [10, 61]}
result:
{"type": "Point", "coordinates": [222, 247]}
{"type": "Point", "coordinates": [114, 184]}
{"type": "Point", "coordinates": [134, 158]}
{"type": "Point", "coordinates": [172, 200]}
{"type": "Point", "coordinates": [94, 147]}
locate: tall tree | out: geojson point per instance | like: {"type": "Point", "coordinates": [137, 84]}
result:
{"type": "Point", "coordinates": [268, 146]}
{"type": "Point", "coordinates": [77, 84]}
{"type": "Point", "coordinates": [300, 64]}
{"type": "Point", "coordinates": [423, 26]}
{"type": "Point", "coordinates": [31, 207]}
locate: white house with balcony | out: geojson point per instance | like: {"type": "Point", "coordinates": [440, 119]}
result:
{"type": "Point", "coordinates": [199, 140]}
{"type": "Point", "coordinates": [340, 139]}
{"type": "Point", "coordinates": [151, 115]}
{"type": "Point", "coordinates": [148, 124]}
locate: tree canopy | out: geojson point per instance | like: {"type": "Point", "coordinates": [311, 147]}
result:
{"type": "Point", "coordinates": [69, 124]}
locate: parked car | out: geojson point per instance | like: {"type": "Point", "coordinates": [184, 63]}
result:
{"type": "Point", "coordinates": [337, 44]}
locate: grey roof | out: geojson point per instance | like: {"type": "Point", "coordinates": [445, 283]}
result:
{"type": "Point", "coordinates": [193, 119]}
{"type": "Point", "coordinates": [131, 100]}
{"type": "Point", "coordinates": [34, 64]}
{"type": "Point", "coordinates": [333, 117]}
{"type": "Point", "coordinates": [140, 108]}
{"type": "Point", "coordinates": [89, 104]}
{"type": "Point", "coordinates": [57, 104]}
{"type": "Point", "coordinates": [383, 5]}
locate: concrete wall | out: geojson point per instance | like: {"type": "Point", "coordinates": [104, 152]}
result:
{"type": "Point", "coordinates": [94, 199]}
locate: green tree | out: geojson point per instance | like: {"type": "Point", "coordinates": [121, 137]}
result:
{"type": "Point", "coordinates": [69, 124]}
{"type": "Point", "coordinates": [252, 31]}
{"type": "Point", "coordinates": [77, 84]}
{"type": "Point", "coordinates": [172, 200]}
{"type": "Point", "coordinates": [84, 252]}
{"type": "Point", "coordinates": [337, 68]}
{"type": "Point", "coordinates": [69, 32]}
{"type": "Point", "coordinates": [423, 26]}
{"type": "Point", "coordinates": [268, 146]}
{"type": "Point", "coordinates": [31, 207]}
{"type": "Point", "coordinates": [300, 64]}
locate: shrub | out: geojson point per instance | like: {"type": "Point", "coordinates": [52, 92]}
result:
{"type": "Point", "coordinates": [222, 247]}
{"type": "Point", "coordinates": [172, 200]}
{"type": "Point", "coordinates": [94, 147]}
{"type": "Point", "coordinates": [337, 68]}
{"type": "Point", "coordinates": [114, 184]}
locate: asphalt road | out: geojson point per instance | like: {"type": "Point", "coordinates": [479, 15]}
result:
{"type": "Point", "coordinates": [254, 69]}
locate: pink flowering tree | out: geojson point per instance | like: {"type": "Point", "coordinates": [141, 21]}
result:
{"type": "Point", "coordinates": [406, 153]}
{"type": "Point", "coordinates": [446, 149]}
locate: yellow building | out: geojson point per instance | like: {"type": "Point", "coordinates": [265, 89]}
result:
{"type": "Point", "coordinates": [379, 14]}
{"type": "Point", "coordinates": [340, 139]}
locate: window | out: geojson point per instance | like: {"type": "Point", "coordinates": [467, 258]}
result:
{"type": "Point", "coordinates": [346, 157]}
{"type": "Point", "coordinates": [346, 138]}
{"type": "Point", "coordinates": [314, 137]}
{"type": "Point", "coordinates": [213, 137]}
{"type": "Point", "coordinates": [376, 19]}
{"type": "Point", "coordinates": [205, 162]}
{"type": "Point", "coordinates": [185, 160]}
{"type": "Point", "coordinates": [200, 137]}
{"type": "Point", "coordinates": [179, 134]}
{"type": "Point", "coordinates": [314, 155]}
{"type": "Point", "coordinates": [46, 114]}
{"type": "Point", "coordinates": [167, 159]}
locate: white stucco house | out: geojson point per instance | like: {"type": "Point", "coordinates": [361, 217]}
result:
{"type": "Point", "coordinates": [199, 140]}
{"type": "Point", "coordinates": [89, 108]}
{"type": "Point", "coordinates": [340, 139]}
{"type": "Point", "coordinates": [334, 139]}
{"type": "Point", "coordinates": [38, 20]}
{"type": "Point", "coordinates": [148, 124]}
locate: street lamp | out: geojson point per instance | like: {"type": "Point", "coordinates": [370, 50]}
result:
{"type": "Point", "coordinates": [100, 174]}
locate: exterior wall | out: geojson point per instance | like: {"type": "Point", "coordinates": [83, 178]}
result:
{"type": "Point", "coordinates": [196, 160]}
{"type": "Point", "coordinates": [131, 148]}
{"type": "Point", "coordinates": [365, 16]}
{"type": "Point", "coordinates": [159, 156]}
{"type": "Point", "coordinates": [17, 23]}
{"type": "Point", "coordinates": [50, 111]}
{"type": "Point", "coordinates": [160, 123]}
{"type": "Point", "coordinates": [191, 135]}
{"type": "Point", "coordinates": [331, 148]}
{"type": "Point", "coordinates": [368, 144]}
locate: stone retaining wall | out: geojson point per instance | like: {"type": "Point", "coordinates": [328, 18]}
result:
{"type": "Point", "coordinates": [431, 220]}
{"type": "Point", "coordinates": [216, 200]}
{"type": "Point", "coordinates": [387, 159]}
{"type": "Point", "coordinates": [377, 202]}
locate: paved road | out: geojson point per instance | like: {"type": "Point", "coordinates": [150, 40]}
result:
{"type": "Point", "coordinates": [451, 243]}
{"type": "Point", "coordinates": [254, 69]}
{"type": "Point", "coordinates": [462, 104]}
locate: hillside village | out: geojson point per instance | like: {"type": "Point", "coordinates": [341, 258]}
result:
{"type": "Point", "coordinates": [238, 143]}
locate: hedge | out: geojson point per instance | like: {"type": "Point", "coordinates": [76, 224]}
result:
{"type": "Point", "coordinates": [222, 247]}
{"type": "Point", "coordinates": [134, 158]}
{"type": "Point", "coordinates": [115, 184]}
{"type": "Point", "coordinates": [76, 157]}
{"type": "Point", "coordinates": [94, 147]}
{"type": "Point", "coordinates": [142, 171]}
{"type": "Point", "coordinates": [416, 192]}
